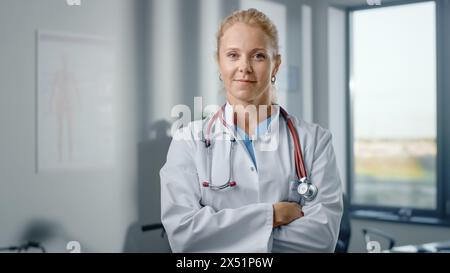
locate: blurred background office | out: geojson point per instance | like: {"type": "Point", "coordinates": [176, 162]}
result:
{"type": "Point", "coordinates": [87, 89]}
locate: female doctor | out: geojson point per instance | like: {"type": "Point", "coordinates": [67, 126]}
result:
{"type": "Point", "coordinates": [250, 180]}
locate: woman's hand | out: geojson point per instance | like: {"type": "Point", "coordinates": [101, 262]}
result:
{"type": "Point", "coordinates": [286, 212]}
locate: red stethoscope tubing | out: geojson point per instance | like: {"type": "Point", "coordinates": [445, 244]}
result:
{"type": "Point", "coordinates": [299, 163]}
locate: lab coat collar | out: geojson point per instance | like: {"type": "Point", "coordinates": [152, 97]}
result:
{"type": "Point", "coordinates": [272, 128]}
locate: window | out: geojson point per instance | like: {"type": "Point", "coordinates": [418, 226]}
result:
{"type": "Point", "coordinates": [393, 91]}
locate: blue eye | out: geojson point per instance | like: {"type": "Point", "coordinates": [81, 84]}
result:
{"type": "Point", "coordinates": [232, 55]}
{"type": "Point", "coordinates": [260, 57]}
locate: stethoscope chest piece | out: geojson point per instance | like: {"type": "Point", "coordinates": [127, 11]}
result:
{"type": "Point", "coordinates": [307, 190]}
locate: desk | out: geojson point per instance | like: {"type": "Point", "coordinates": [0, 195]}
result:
{"type": "Point", "coordinates": [436, 247]}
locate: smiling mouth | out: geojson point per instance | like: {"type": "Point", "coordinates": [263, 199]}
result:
{"type": "Point", "coordinates": [246, 81]}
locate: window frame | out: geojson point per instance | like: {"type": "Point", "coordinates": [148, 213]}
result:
{"type": "Point", "coordinates": [441, 214]}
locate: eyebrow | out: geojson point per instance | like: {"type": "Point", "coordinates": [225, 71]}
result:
{"type": "Point", "coordinates": [253, 50]}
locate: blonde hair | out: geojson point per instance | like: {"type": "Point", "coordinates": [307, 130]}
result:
{"type": "Point", "coordinates": [251, 17]}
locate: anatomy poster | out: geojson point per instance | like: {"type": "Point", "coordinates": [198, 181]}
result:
{"type": "Point", "coordinates": [75, 102]}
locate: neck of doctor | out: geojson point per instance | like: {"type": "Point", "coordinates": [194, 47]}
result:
{"type": "Point", "coordinates": [248, 114]}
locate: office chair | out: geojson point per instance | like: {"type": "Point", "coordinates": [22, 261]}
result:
{"type": "Point", "coordinates": [153, 227]}
{"type": "Point", "coordinates": [344, 230]}
{"type": "Point", "coordinates": [367, 232]}
{"type": "Point", "coordinates": [24, 247]}
{"type": "Point", "coordinates": [163, 235]}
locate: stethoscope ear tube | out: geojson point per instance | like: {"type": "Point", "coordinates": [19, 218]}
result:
{"type": "Point", "coordinates": [207, 183]}
{"type": "Point", "coordinates": [229, 184]}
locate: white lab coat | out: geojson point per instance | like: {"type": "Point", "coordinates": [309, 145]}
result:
{"type": "Point", "coordinates": [240, 219]}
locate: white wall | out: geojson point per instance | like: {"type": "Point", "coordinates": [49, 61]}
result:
{"type": "Point", "coordinates": [94, 207]}
{"type": "Point", "coordinates": [337, 86]}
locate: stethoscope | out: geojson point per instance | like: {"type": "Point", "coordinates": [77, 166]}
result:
{"type": "Point", "coordinates": [305, 188]}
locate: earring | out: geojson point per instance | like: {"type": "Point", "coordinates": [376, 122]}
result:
{"type": "Point", "coordinates": [220, 77]}
{"type": "Point", "coordinates": [273, 80]}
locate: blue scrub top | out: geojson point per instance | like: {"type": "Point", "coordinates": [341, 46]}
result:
{"type": "Point", "coordinates": [262, 128]}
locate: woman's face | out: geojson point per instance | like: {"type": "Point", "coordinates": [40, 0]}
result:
{"type": "Point", "coordinates": [247, 64]}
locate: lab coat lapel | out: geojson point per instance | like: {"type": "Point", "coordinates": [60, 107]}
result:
{"type": "Point", "coordinates": [275, 161]}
